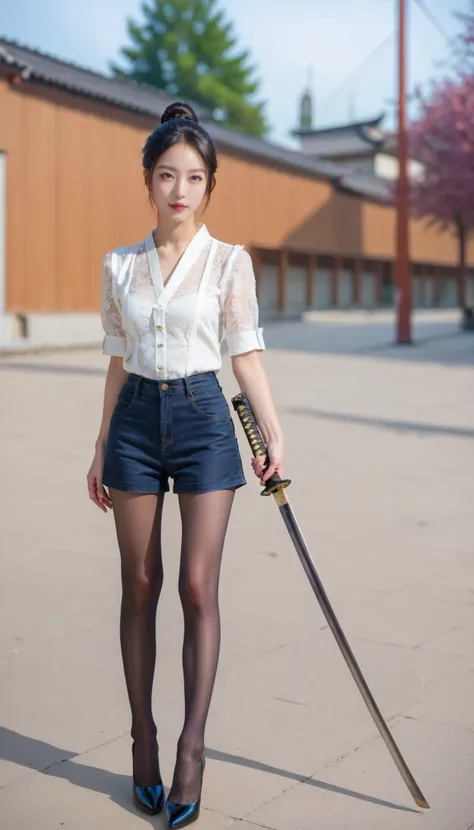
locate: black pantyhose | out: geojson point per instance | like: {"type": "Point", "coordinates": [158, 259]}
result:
{"type": "Point", "coordinates": [138, 524]}
{"type": "Point", "coordinates": [204, 518]}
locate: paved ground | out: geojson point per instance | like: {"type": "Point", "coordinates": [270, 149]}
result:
{"type": "Point", "coordinates": [380, 448]}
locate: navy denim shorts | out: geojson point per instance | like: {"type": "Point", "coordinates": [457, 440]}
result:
{"type": "Point", "coordinates": [181, 429]}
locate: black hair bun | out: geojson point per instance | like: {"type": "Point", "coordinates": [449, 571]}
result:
{"type": "Point", "coordinates": [179, 110]}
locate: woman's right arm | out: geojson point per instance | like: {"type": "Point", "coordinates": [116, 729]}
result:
{"type": "Point", "coordinates": [116, 376]}
{"type": "Point", "coordinates": [115, 379]}
{"type": "Point", "coordinates": [114, 345]}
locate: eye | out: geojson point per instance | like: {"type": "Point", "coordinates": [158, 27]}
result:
{"type": "Point", "coordinates": [164, 175]}
{"type": "Point", "coordinates": [196, 178]}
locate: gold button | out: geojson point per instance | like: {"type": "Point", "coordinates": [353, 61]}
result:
{"type": "Point", "coordinates": [164, 386]}
{"type": "Point", "coordinates": [159, 328]}
{"type": "Point", "coordinates": [160, 345]}
{"type": "Point", "coordinates": [160, 368]}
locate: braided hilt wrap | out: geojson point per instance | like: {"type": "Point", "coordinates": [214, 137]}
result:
{"type": "Point", "coordinates": [257, 444]}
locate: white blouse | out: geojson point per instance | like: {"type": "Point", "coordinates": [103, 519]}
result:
{"type": "Point", "coordinates": [174, 329]}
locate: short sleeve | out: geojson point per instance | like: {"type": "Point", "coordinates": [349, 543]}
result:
{"type": "Point", "coordinates": [240, 307]}
{"type": "Point", "coordinates": [115, 339]}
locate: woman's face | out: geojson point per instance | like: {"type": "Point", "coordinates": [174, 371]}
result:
{"type": "Point", "coordinates": [178, 183]}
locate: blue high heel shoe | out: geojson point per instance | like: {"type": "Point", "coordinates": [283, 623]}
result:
{"type": "Point", "coordinates": [181, 815]}
{"type": "Point", "coordinates": [149, 799]}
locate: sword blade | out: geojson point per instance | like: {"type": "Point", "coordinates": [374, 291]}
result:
{"type": "Point", "coordinates": [305, 557]}
{"type": "Point", "coordinates": [276, 486]}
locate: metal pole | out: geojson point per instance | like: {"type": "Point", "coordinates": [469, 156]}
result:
{"type": "Point", "coordinates": [403, 268]}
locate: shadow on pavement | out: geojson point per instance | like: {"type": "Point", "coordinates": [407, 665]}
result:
{"type": "Point", "coordinates": [433, 342]}
{"type": "Point", "coordinates": [384, 423]}
{"type": "Point", "coordinates": [51, 760]}
{"type": "Point", "coordinates": [51, 368]}
{"type": "Point", "coordinates": [303, 779]}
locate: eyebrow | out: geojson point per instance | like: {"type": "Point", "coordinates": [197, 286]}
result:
{"type": "Point", "coordinates": [193, 170]}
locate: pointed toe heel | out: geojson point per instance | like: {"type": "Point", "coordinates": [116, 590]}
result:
{"type": "Point", "coordinates": [181, 815]}
{"type": "Point", "coordinates": [150, 799]}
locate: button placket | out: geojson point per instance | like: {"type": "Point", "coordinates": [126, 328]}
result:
{"type": "Point", "coordinates": [160, 340]}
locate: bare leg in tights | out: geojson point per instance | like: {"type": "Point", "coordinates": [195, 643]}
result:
{"type": "Point", "coordinates": [138, 524]}
{"type": "Point", "coordinates": [204, 520]}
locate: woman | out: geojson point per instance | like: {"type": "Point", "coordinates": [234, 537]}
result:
{"type": "Point", "coordinates": [167, 302]}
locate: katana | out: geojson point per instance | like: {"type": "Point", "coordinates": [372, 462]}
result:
{"type": "Point", "coordinates": [276, 486]}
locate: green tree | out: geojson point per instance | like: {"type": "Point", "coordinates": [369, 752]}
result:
{"type": "Point", "coordinates": [188, 49]}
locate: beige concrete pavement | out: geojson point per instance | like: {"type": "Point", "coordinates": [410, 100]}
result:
{"type": "Point", "coordinates": [380, 447]}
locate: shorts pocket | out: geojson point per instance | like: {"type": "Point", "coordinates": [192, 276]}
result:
{"type": "Point", "coordinates": [126, 396]}
{"type": "Point", "coordinates": [209, 402]}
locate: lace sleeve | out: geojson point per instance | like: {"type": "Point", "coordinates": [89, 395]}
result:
{"type": "Point", "coordinates": [115, 340]}
{"type": "Point", "coordinates": [240, 306]}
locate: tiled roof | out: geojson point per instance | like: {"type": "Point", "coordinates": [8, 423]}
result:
{"type": "Point", "coordinates": [267, 151]}
{"type": "Point", "coordinates": [34, 65]}
{"type": "Point", "coordinates": [366, 184]}
{"type": "Point", "coordinates": [345, 140]}
{"type": "Point", "coordinates": [371, 123]}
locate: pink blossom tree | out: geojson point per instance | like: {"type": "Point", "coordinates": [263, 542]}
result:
{"type": "Point", "coordinates": [442, 139]}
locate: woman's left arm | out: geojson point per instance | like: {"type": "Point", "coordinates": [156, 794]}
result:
{"type": "Point", "coordinates": [253, 382]}
{"type": "Point", "coordinates": [245, 342]}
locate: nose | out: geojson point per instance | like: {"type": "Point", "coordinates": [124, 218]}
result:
{"type": "Point", "coordinates": [180, 189]}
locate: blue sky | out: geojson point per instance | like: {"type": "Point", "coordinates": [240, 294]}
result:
{"type": "Point", "coordinates": [285, 37]}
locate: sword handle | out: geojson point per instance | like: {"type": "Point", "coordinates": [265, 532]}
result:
{"type": "Point", "coordinates": [257, 444]}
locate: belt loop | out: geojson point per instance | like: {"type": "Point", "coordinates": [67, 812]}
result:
{"type": "Point", "coordinates": [186, 386]}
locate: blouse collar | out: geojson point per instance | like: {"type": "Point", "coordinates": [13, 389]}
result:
{"type": "Point", "coordinates": [189, 255]}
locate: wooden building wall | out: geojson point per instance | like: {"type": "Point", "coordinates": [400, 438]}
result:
{"type": "Point", "coordinates": [75, 190]}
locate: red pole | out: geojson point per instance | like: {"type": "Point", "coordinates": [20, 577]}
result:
{"type": "Point", "coordinates": [403, 270]}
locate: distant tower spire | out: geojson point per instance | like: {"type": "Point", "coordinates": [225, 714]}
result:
{"type": "Point", "coordinates": [306, 104]}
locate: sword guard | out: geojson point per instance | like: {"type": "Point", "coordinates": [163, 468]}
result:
{"type": "Point", "coordinates": [274, 485]}
{"type": "Point", "coordinates": [257, 444]}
